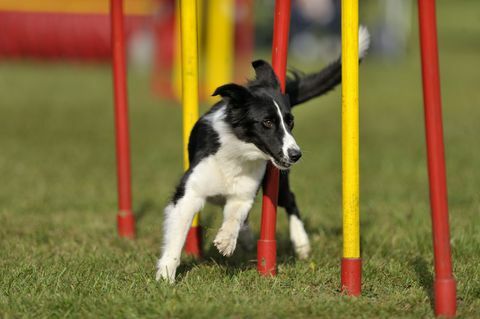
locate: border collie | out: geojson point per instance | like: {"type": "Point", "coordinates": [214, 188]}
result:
{"type": "Point", "coordinates": [228, 150]}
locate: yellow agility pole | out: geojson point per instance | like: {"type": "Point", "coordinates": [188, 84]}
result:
{"type": "Point", "coordinates": [189, 53]}
{"type": "Point", "coordinates": [177, 58]}
{"type": "Point", "coordinates": [220, 44]}
{"type": "Point", "coordinates": [351, 262]}
{"type": "Point", "coordinates": [177, 63]}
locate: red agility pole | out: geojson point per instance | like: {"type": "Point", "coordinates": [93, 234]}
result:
{"type": "Point", "coordinates": [444, 284]}
{"type": "Point", "coordinates": [244, 38]}
{"type": "Point", "coordinates": [267, 245]}
{"type": "Point", "coordinates": [125, 220]}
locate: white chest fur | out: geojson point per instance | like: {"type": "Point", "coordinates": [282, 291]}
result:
{"type": "Point", "coordinates": [236, 169]}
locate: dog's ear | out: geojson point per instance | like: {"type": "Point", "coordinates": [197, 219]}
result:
{"type": "Point", "coordinates": [265, 74]}
{"type": "Point", "coordinates": [233, 92]}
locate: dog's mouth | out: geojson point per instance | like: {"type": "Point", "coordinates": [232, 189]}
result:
{"type": "Point", "coordinates": [281, 164]}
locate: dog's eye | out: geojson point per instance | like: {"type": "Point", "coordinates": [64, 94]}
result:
{"type": "Point", "coordinates": [267, 123]}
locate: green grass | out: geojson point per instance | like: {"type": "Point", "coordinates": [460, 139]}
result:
{"type": "Point", "coordinates": [60, 256]}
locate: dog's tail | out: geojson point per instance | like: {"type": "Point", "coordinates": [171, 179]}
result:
{"type": "Point", "coordinates": [303, 87]}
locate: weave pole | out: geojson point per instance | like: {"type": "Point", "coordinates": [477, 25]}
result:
{"type": "Point", "coordinates": [267, 244]}
{"type": "Point", "coordinates": [219, 53]}
{"type": "Point", "coordinates": [244, 38]}
{"type": "Point", "coordinates": [189, 53]}
{"type": "Point", "coordinates": [125, 219]}
{"type": "Point", "coordinates": [444, 283]}
{"type": "Point", "coordinates": [351, 267]}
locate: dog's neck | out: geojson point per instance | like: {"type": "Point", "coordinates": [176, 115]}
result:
{"type": "Point", "coordinates": [233, 149]}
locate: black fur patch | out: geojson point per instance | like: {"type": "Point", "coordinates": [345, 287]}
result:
{"type": "Point", "coordinates": [234, 92]}
{"type": "Point", "coordinates": [204, 141]}
{"type": "Point", "coordinates": [303, 87]}
{"type": "Point", "coordinates": [265, 74]}
{"type": "Point", "coordinates": [286, 198]}
{"type": "Point", "coordinates": [180, 189]}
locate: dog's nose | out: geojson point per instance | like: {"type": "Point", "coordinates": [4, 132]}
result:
{"type": "Point", "coordinates": [294, 154]}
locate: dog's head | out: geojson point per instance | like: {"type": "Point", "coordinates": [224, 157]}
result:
{"type": "Point", "coordinates": [260, 114]}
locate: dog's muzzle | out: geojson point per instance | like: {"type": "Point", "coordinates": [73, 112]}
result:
{"type": "Point", "coordinates": [294, 155]}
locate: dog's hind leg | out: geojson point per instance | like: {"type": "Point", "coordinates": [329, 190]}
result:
{"type": "Point", "coordinates": [178, 218]}
{"type": "Point", "coordinates": [234, 215]}
{"type": "Point", "coordinates": [298, 235]}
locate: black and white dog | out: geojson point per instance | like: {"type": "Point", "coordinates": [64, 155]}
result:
{"type": "Point", "coordinates": [228, 150]}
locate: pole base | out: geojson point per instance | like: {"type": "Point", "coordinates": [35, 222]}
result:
{"type": "Point", "coordinates": [267, 257]}
{"type": "Point", "coordinates": [193, 243]}
{"type": "Point", "coordinates": [126, 224]}
{"type": "Point", "coordinates": [351, 277]}
{"type": "Point", "coordinates": [445, 297]}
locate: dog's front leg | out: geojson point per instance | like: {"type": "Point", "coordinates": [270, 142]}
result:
{"type": "Point", "coordinates": [234, 215]}
{"type": "Point", "coordinates": [178, 218]}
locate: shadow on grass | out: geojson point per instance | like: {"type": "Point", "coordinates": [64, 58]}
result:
{"type": "Point", "coordinates": [424, 275]}
{"type": "Point", "coordinates": [242, 260]}
{"type": "Point", "coordinates": [329, 232]}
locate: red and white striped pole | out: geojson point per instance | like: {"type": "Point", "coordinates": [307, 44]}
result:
{"type": "Point", "coordinates": [444, 283]}
{"type": "Point", "coordinates": [267, 244]}
{"type": "Point", "coordinates": [125, 219]}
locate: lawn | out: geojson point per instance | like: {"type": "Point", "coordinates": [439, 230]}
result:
{"type": "Point", "coordinates": [60, 255]}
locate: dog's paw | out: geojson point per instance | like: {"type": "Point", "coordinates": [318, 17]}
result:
{"type": "Point", "coordinates": [246, 238]}
{"type": "Point", "coordinates": [166, 270]}
{"type": "Point", "coordinates": [299, 238]}
{"type": "Point", "coordinates": [303, 251]}
{"type": "Point", "coordinates": [225, 241]}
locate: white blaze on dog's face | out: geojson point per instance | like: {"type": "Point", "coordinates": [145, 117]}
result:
{"type": "Point", "coordinates": [261, 114]}
{"type": "Point", "coordinates": [291, 150]}
{"type": "Point", "coordinates": [273, 132]}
